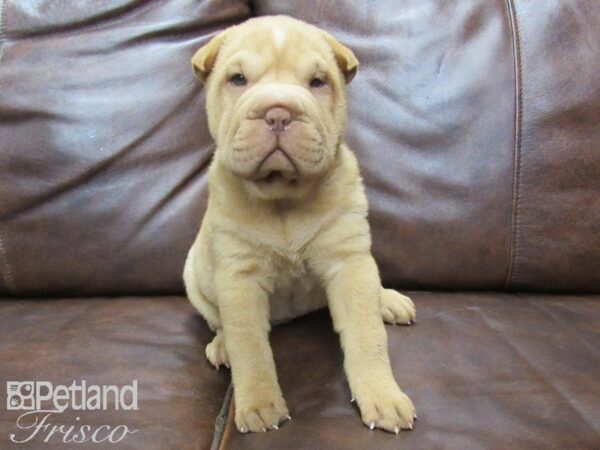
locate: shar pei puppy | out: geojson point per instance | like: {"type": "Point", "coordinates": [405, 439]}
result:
{"type": "Point", "coordinates": [286, 230]}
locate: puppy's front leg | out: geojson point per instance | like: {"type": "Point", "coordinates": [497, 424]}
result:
{"type": "Point", "coordinates": [244, 310]}
{"type": "Point", "coordinates": [354, 290]}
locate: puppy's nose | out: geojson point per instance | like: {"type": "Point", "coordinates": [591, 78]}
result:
{"type": "Point", "coordinates": [278, 118]}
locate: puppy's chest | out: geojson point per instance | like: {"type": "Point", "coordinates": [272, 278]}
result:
{"type": "Point", "coordinates": [286, 246]}
{"type": "Point", "coordinates": [290, 268]}
{"type": "Point", "coordinates": [296, 288]}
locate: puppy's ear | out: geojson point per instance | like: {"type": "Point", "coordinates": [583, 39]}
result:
{"type": "Point", "coordinates": [204, 59]}
{"type": "Point", "coordinates": [343, 56]}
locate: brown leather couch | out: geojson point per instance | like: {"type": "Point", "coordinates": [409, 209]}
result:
{"type": "Point", "coordinates": [477, 126]}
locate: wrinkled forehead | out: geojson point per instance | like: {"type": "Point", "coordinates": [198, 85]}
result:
{"type": "Point", "coordinates": [277, 48]}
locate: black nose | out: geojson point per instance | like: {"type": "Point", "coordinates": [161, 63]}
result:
{"type": "Point", "coordinates": [278, 118]}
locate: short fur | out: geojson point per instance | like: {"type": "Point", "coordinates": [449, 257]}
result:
{"type": "Point", "coordinates": [286, 232]}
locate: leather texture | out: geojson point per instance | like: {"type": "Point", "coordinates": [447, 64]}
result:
{"type": "Point", "coordinates": [158, 341]}
{"type": "Point", "coordinates": [431, 122]}
{"type": "Point", "coordinates": [487, 370]}
{"type": "Point", "coordinates": [475, 123]}
{"type": "Point", "coordinates": [480, 150]}
{"type": "Point", "coordinates": [483, 369]}
{"type": "Point", "coordinates": [556, 228]}
{"type": "Point", "coordinates": [476, 126]}
{"type": "Point", "coordinates": [103, 143]}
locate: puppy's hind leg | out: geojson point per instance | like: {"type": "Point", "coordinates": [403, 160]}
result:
{"type": "Point", "coordinates": [396, 308]}
{"type": "Point", "coordinates": [206, 309]}
{"type": "Point", "coordinates": [216, 351]}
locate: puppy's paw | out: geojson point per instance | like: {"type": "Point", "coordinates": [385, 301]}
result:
{"type": "Point", "coordinates": [216, 352]}
{"type": "Point", "coordinates": [396, 308]}
{"type": "Point", "coordinates": [260, 413]}
{"type": "Point", "coordinates": [386, 407]}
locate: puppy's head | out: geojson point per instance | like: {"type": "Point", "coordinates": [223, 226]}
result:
{"type": "Point", "coordinates": [276, 102]}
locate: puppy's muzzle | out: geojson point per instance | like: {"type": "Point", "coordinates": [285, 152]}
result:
{"type": "Point", "coordinates": [279, 135]}
{"type": "Point", "coordinates": [277, 161]}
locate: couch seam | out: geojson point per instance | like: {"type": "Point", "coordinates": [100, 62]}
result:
{"type": "Point", "coordinates": [2, 33]}
{"type": "Point", "coordinates": [514, 226]}
{"type": "Point", "coordinates": [222, 419]}
{"type": "Point", "coordinates": [230, 419]}
{"type": "Point", "coordinates": [98, 23]}
{"type": "Point", "coordinates": [103, 20]}
{"type": "Point", "coordinates": [7, 273]}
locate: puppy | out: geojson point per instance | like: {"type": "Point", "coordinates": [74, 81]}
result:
{"type": "Point", "coordinates": [286, 231]}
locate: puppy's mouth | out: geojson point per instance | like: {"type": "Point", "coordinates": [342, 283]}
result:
{"type": "Point", "coordinates": [276, 167]}
{"type": "Point", "coordinates": [276, 177]}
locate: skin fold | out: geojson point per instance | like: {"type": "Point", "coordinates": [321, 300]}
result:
{"type": "Point", "coordinates": [286, 230]}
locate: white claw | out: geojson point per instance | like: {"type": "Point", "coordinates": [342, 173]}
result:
{"type": "Point", "coordinates": [288, 417]}
{"type": "Point", "coordinates": [410, 426]}
{"type": "Point", "coordinates": [371, 425]}
{"type": "Point", "coordinates": [243, 429]}
{"type": "Point", "coordinates": [275, 427]}
{"type": "Point", "coordinates": [264, 429]}
{"type": "Point", "coordinates": [352, 400]}
{"type": "Point", "coordinates": [396, 430]}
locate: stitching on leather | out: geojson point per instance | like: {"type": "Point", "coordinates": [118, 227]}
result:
{"type": "Point", "coordinates": [120, 14]}
{"type": "Point", "coordinates": [2, 34]}
{"type": "Point", "coordinates": [516, 197]}
{"type": "Point", "coordinates": [97, 22]}
{"type": "Point", "coordinates": [7, 273]}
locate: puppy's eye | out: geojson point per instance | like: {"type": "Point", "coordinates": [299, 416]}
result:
{"type": "Point", "coordinates": [238, 80]}
{"type": "Point", "coordinates": [316, 83]}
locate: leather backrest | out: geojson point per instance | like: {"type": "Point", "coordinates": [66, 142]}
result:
{"type": "Point", "coordinates": [103, 142]}
{"type": "Point", "coordinates": [475, 124]}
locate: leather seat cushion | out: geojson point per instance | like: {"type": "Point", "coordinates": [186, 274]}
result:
{"type": "Point", "coordinates": [158, 341]}
{"type": "Point", "coordinates": [484, 371]}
